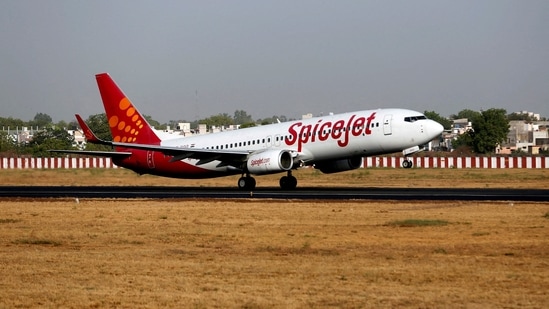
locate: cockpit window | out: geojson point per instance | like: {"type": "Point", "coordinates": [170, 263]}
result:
{"type": "Point", "coordinates": [414, 118]}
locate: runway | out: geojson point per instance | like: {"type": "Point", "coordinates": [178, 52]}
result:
{"type": "Point", "coordinates": [306, 193]}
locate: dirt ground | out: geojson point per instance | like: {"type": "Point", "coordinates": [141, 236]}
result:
{"type": "Point", "coordinates": [276, 254]}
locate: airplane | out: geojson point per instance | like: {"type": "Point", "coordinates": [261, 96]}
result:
{"type": "Point", "coordinates": [333, 143]}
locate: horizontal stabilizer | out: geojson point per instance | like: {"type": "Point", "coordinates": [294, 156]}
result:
{"type": "Point", "coordinates": [107, 154]}
{"type": "Point", "coordinates": [88, 133]}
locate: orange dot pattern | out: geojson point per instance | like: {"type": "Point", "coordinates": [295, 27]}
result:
{"type": "Point", "coordinates": [126, 124]}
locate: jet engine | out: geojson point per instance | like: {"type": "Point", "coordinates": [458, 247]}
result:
{"type": "Point", "coordinates": [328, 167]}
{"type": "Point", "coordinates": [270, 161]}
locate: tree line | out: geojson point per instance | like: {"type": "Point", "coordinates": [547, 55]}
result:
{"type": "Point", "coordinates": [489, 129]}
{"type": "Point", "coordinates": [49, 135]}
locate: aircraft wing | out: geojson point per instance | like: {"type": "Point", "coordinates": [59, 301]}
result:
{"type": "Point", "coordinates": [227, 157]}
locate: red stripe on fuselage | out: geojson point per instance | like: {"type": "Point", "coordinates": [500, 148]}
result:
{"type": "Point", "coordinates": [158, 164]}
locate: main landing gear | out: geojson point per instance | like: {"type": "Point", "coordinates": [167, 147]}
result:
{"type": "Point", "coordinates": [287, 182]}
{"type": "Point", "coordinates": [246, 182]}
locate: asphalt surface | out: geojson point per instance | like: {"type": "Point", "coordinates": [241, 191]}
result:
{"type": "Point", "coordinates": [307, 193]}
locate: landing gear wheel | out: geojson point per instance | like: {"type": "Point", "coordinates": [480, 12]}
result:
{"type": "Point", "coordinates": [407, 163]}
{"type": "Point", "coordinates": [246, 183]}
{"type": "Point", "coordinates": [288, 182]}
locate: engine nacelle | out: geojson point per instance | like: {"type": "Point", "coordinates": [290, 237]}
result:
{"type": "Point", "coordinates": [328, 167]}
{"type": "Point", "coordinates": [270, 161]}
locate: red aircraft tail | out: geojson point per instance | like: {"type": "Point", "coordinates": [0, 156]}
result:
{"type": "Point", "coordinates": [126, 123]}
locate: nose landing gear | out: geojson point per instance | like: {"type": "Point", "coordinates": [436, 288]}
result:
{"type": "Point", "coordinates": [407, 163]}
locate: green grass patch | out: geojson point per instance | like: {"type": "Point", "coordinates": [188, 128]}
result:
{"type": "Point", "coordinates": [475, 175]}
{"type": "Point", "coordinates": [416, 223]}
{"type": "Point", "coordinates": [129, 242]}
{"type": "Point", "coordinates": [546, 215]}
{"type": "Point", "coordinates": [480, 234]}
{"type": "Point", "coordinates": [361, 174]}
{"type": "Point", "coordinates": [304, 249]}
{"type": "Point", "coordinates": [37, 241]}
{"type": "Point", "coordinates": [2, 221]}
{"type": "Point", "coordinates": [440, 251]}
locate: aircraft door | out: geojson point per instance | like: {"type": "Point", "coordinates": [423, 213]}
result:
{"type": "Point", "coordinates": [277, 140]}
{"type": "Point", "coordinates": [387, 125]}
{"type": "Point", "coordinates": [150, 159]}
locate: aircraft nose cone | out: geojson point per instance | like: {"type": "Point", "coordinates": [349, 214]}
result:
{"type": "Point", "coordinates": [434, 128]}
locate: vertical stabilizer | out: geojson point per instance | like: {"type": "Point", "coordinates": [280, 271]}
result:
{"type": "Point", "coordinates": [125, 121]}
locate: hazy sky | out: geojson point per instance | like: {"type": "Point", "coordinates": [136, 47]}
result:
{"type": "Point", "coordinates": [193, 59]}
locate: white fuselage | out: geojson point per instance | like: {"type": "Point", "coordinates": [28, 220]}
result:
{"type": "Point", "coordinates": [318, 139]}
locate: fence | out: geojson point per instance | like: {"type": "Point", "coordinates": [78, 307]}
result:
{"type": "Point", "coordinates": [52, 163]}
{"type": "Point", "coordinates": [369, 162]}
{"type": "Point", "coordinates": [460, 162]}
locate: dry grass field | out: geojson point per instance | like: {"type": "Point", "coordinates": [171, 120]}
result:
{"type": "Point", "coordinates": [275, 254]}
{"type": "Point", "coordinates": [382, 177]}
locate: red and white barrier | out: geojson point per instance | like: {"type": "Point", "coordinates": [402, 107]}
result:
{"type": "Point", "coordinates": [460, 162]}
{"type": "Point", "coordinates": [369, 162]}
{"type": "Point", "coordinates": [53, 163]}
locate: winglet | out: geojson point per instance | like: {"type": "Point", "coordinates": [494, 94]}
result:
{"type": "Point", "coordinates": [88, 133]}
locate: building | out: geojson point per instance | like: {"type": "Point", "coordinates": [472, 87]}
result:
{"type": "Point", "coordinates": [527, 137]}
{"type": "Point", "coordinates": [459, 126]}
